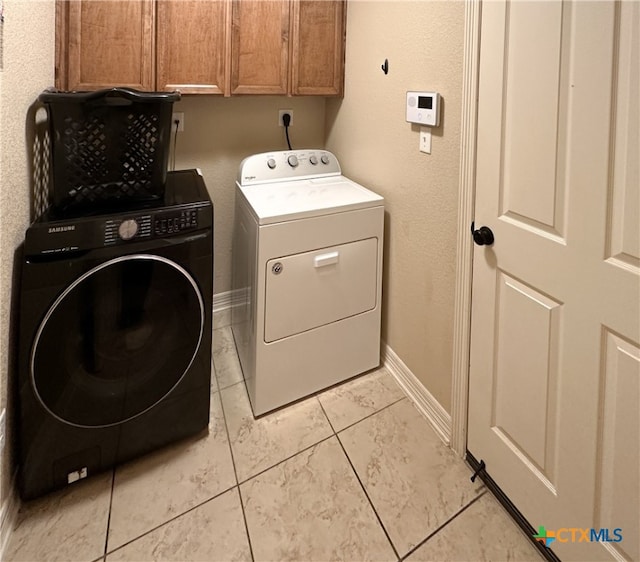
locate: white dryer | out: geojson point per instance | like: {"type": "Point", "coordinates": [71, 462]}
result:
{"type": "Point", "coordinates": [307, 273]}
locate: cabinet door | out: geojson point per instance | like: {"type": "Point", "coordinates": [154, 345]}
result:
{"type": "Point", "coordinates": [193, 46]}
{"type": "Point", "coordinates": [260, 46]}
{"type": "Point", "coordinates": [318, 47]}
{"type": "Point", "coordinates": [110, 43]}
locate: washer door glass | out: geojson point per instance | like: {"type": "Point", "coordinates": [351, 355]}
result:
{"type": "Point", "coordinates": [117, 341]}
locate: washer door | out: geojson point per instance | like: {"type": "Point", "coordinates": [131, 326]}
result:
{"type": "Point", "coordinates": [117, 341]}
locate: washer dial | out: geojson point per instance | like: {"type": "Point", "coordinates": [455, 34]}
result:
{"type": "Point", "coordinates": [128, 229]}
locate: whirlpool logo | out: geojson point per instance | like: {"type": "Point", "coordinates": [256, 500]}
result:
{"type": "Point", "coordinates": [65, 228]}
{"type": "Point", "coordinates": [574, 534]}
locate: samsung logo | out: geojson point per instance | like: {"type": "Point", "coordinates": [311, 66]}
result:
{"type": "Point", "coordinates": [66, 228]}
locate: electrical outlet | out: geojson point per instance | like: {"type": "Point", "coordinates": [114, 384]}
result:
{"type": "Point", "coordinates": [179, 117]}
{"type": "Point", "coordinates": [425, 140]}
{"type": "Point", "coordinates": [281, 112]}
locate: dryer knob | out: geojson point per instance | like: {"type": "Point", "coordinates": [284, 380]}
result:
{"type": "Point", "coordinates": [325, 159]}
{"type": "Point", "coordinates": [128, 229]}
{"type": "Point", "coordinates": [293, 160]}
{"type": "Point", "coordinates": [271, 163]}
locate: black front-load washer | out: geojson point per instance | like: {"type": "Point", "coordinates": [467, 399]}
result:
{"type": "Point", "coordinates": [115, 335]}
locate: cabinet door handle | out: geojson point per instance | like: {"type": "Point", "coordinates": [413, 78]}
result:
{"type": "Point", "coordinates": [326, 259]}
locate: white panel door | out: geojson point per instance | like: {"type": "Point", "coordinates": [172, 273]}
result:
{"type": "Point", "coordinates": [555, 352]}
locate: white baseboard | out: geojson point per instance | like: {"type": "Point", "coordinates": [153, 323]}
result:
{"type": "Point", "coordinates": [428, 406]}
{"type": "Point", "coordinates": [222, 305]}
{"type": "Point", "coordinates": [228, 299]}
{"type": "Point", "coordinates": [8, 517]}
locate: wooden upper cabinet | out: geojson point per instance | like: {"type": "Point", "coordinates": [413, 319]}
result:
{"type": "Point", "coordinates": [281, 47]}
{"type": "Point", "coordinates": [110, 43]}
{"type": "Point", "coordinates": [193, 46]}
{"type": "Point", "coordinates": [260, 46]}
{"type": "Point", "coordinates": [317, 49]}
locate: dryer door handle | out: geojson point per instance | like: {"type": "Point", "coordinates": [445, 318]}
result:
{"type": "Point", "coordinates": [326, 259]}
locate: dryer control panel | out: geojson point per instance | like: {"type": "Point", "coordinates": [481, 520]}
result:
{"type": "Point", "coordinates": [287, 165]}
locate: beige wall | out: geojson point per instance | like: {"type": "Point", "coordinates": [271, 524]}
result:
{"type": "Point", "coordinates": [220, 132]}
{"type": "Point", "coordinates": [28, 69]}
{"type": "Point", "coordinates": [367, 131]}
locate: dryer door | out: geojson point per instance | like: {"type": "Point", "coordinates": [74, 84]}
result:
{"type": "Point", "coordinates": [312, 289]}
{"type": "Point", "coordinates": [117, 341]}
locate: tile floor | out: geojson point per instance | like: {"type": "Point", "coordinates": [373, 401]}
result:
{"type": "Point", "coordinates": [353, 473]}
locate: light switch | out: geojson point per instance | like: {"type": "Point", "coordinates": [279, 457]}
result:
{"type": "Point", "coordinates": [425, 140]}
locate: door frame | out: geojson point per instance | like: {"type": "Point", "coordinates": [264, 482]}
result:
{"type": "Point", "coordinates": [464, 244]}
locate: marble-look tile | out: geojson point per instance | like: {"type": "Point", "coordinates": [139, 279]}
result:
{"type": "Point", "coordinates": [69, 524]}
{"type": "Point", "coordinates": [356, 399]}
{"type": "Point", "coordinates": [212, 531]}
{"type": "Point", "coordinates": [225, 358]}
{"type": "Point", "coordinates": [155, 488]}
{"type": "Point", "coordinates": [482, 532]}
{"type": "Point", "coordinates": [258, 444]}
{"type": "Point", "coordinates": [312, 507]}
{"type": "Point", "coordinates": [414, 481]}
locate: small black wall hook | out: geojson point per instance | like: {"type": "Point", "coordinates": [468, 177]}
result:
{"type": "Point", "coordinates": [385, 66]}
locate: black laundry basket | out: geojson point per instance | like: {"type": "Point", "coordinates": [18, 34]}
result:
{"type": "Point", "coordinates": [108, 147]}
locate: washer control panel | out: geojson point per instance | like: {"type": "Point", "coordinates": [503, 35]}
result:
{"type": "Point", "coordinates": [287, 165]}
{"type": "Point", "coordinates": [127, 228]}
{"type": "Point", "coordinates": [185, 210]}
{"type": "Point", "coordinates": [121, 230]}
{"type": "Point", "coordinates": [175, 221]}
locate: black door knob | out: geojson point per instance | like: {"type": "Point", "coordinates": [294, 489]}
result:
{"type": "Point", "coordinates": [483, 236]}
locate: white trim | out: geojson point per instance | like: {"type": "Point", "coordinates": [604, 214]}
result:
{"type": "Point", "coordinates": [8, 517]}
{"type": "Point", "coordinates": [229, 299]}
{"type": "Point", "coordinates": [464, 247]}
{"type": "Point", "coordinates": [428, 406]}
{"type": "Point", "coordinates": [222, 305]}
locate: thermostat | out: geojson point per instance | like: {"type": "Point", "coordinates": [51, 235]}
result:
{"type": "Point", "coordinates": [423, 108]}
